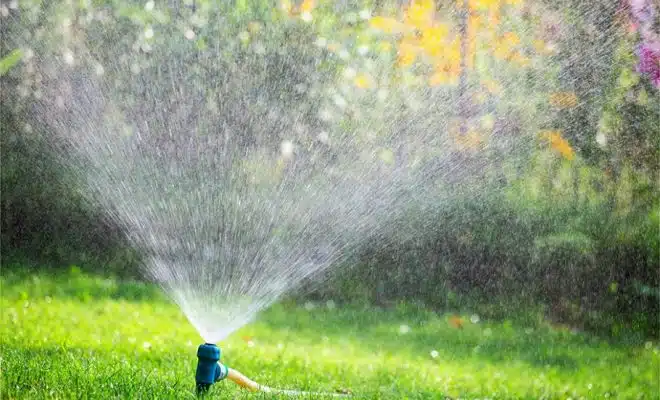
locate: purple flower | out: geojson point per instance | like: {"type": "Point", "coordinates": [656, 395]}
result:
{"type": "Point", "coordinates": [649, 62]}
{"type": "Point", "coordinates": [642, 10]}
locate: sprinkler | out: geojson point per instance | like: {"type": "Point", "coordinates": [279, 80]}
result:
{"type": "Point", "coordinates": [210, 371]}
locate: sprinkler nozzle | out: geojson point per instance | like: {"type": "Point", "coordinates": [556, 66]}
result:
{"type": "Point", "coordinates": [209, 368]}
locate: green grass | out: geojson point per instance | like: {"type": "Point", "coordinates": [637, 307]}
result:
{"type": "Point", "coordinates": [76, 336]}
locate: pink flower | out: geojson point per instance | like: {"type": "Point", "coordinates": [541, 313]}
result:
{"type": "Point", "coordinates": [642, 10]}
{"type": "Point", "coordinates": [649, 62]}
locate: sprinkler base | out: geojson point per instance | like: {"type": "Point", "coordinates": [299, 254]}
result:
{"type": "Point", "coordinates": [209, 369]}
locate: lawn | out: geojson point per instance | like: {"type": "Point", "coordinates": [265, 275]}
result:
{"type": "Point", "coordinates": [80, 336]}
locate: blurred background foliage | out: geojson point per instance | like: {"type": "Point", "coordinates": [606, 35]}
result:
{"type": "Point", "coordinates": [564, 224]}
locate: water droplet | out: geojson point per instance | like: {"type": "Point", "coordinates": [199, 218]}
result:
{"type": "Point", "coordinates": [259, 48]}
{"type": "Point", "coordinates": [590, 386]}
{"type": "Point", "coordinates": [381, 95]}
{"type": "Point", "coordinates": [434, 354]}
{"type": "Point", "coordinates": [365, 14]}
{"type": "Point", "coordinates": [404, 329]}
{"type": "Point", "coordinates": [363, 50]}
{"type": "Point", "coordinates": [286, 148]}
{"type": "Point", "coordinates": [339, 101]}
{"type": "Point", "coordinates": [306, 16]}
{"type": "Point", "coordinates": [325, 115]}
{"type": "Point", "coordinates": [146, 345]}
{"type": "Point", "coordinates": [149, 5]}
{"type": "Point", "coordinates": [189, 34]}
{"type": "Point", "coordinates": [474, 318]}
{"type": "Point", "coordinates": [349, 73]}
{"type": "Point", "coordinates": [149, 33]}
{"type": "Point", "coordinates": [68, 57]}
{"type": "Point", "coordinates": [324, 138]}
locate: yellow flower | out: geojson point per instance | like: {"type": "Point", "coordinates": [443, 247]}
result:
{"type": "Point", "coordinates": [307, 6]}
{"type": "Point", "coordinates": [420, 14]}
{"type": "Point", "coordinates": [451, 53]}
{"type": "Point", "coordinates": [387, 25]}
{"type": "Point", "coordinates": [432, 38]}
{"type": "Point", "coordinates": [449, 60]}
{"type": "Point", "coordinates": [504, 47]}
{"type": "Point", "coordinates": [407, 53]}
{"type": "Point", "coordinates": [563, 99]}
{"type": "Point", "coordinates": [362, 81]}
{"type": "Point", "coordinates": [447, 72]}
{"type": "Point", "coordinates": [559, 144]}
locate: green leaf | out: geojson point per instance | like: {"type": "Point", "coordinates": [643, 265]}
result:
{"type": "Point", "coordinates": [10, 60]}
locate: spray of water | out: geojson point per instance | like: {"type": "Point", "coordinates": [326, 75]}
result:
{"type": "Point", "coordinates": [226, 227]}
{"type": "Point", "coordinates": [233, 158]}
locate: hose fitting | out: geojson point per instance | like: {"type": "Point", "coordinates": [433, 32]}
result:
{"type": "Point", "coordinates": [209, 368]}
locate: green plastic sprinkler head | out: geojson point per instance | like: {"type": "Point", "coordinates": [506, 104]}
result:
{"type": "Point", "coordinates": [209, 368]}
